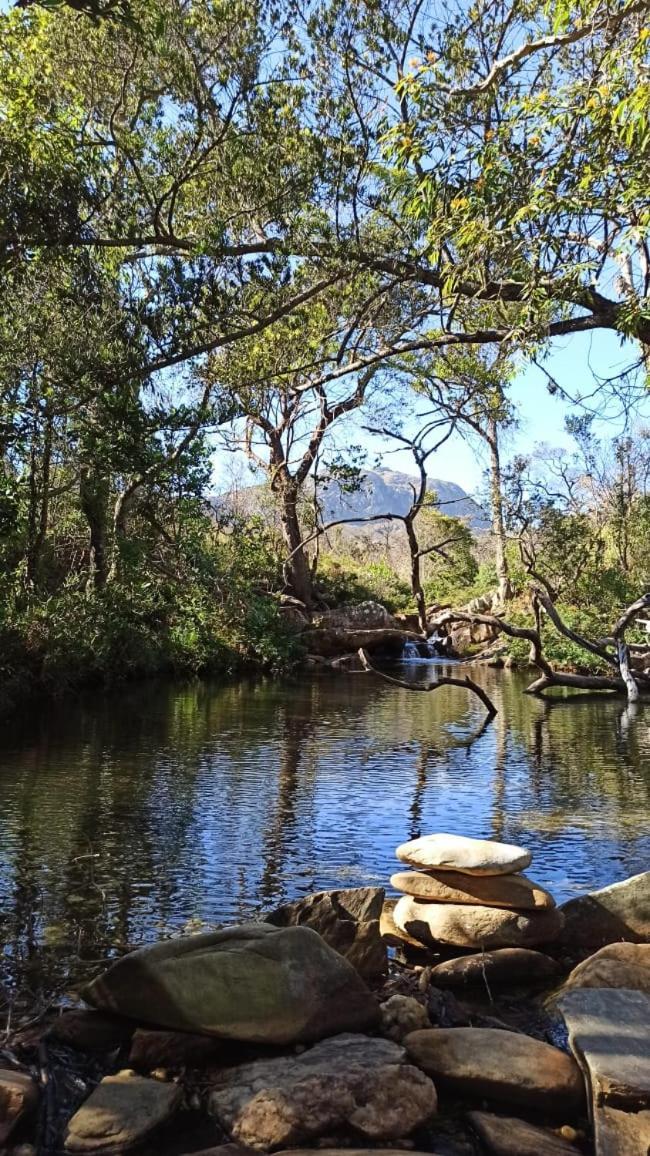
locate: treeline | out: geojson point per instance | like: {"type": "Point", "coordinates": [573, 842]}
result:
{"type": "Point", "coordinates": [242, 224]}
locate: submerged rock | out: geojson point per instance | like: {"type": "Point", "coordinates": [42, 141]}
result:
{"type": "Point", "coordinates": [254, 982]}
{"type": "Point", "coordinates": [516, 965]}
{"type": "Point", "coordinates": [18, 1097]}
{"type": "Point", "coordinates": [508, 1136]}
{"type": "Point", "coordinates": [458, 853]}
{"type": "Point", "coordinates": [467, 925]}
{"type": "Point", "coordinates": [499, 1065]}
{"type": "Point", "coordinates": [348, 920]}
{"type": "Point", "coordinates": [514, 891]}
{"type": "Point", "coordinates": [348, 1082]}
{"type": "Point", "coordinates": [121, 1112]}
{"type": "Point", "coordinates": [624, 965]}
{"type": "Point", "coordinates": [621, 911]}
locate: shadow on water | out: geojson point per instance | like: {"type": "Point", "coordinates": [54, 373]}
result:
{"type": "Point", "coordinates": [135, 814]}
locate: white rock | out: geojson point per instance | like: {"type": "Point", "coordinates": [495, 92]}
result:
{"type": "Point", "coordinates": [458, 853]}
{"type": "Point", "coordinates": [466, 925]}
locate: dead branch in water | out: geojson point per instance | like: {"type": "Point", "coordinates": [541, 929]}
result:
{"type": "Point", "coordinates": [443, 680]}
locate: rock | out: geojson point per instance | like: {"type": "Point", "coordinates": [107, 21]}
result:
{"type": "Point", "coordinates": [508, 1136]}
{"type": "Point", "coordinates": [468, 925]}
{"type": "Point", "coordinates": [490, 890]}
{"type": "Point", "coordinates": [358, 616]}
{"type": "Point", "coordinates": [621, 911]}
{"type": "Point", "coordinates": [400, 1015]}
{"type": "Point", "coordinates": [347, 920]}
{"type": "Point", "coordinates": [350, 1081]}
{"type": "Point", "coordinates": [120, 1113]}
{"type": "Point", "coordinates": [152, 1049]}
{"type": "Point", "coordinates": [608, 1033]}
{"type": "Point", "coordinates": [90, 1031]}
{"type": "Point", "coordinates": [293, 619]}
{"type": "Point", "coordinates": [516, 965]}
{"type": "Point", "coordinates": [254, 982]}
{"type": "Point", "coordinates": [617, 965]}
{"type": "Point", "coordinates": [18, 1097]}
{"type": "Point", "coordinates": [391, 933]}
{"type": "Point", "coordinates": [458, 853]}
{"type": "Point", "coordinates": [329, 641]}
{"type": "Point", "coordinates": [499, 1065]}
{"type": "Point", "coordinates": [349, 1152]}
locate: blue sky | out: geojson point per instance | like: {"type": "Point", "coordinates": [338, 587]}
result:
{"type": "Point", "coordinates": [572, 362]}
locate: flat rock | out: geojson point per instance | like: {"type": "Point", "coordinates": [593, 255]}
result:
{"type": "Point", "coordinates": [514, 891]}
{"type": "Point", "coordinates": [499, 1065]}
{"type": "Point", "coordinates": [391, 933]}
{"type": "Point", "coordinates": [468, 925]}
{"type": "Point", "coordinates": [18, 1097]}
{"type": "Point", "coordinates": [121, 1112]}
{"type": "Point", "coordinates": [609, 1032]}
{"type": "Point", "coordinates": [509, 1136]}
{"type": "Point", "coordinates": [624, 965]}
{"type": "Point", "coordinates": [329, 641]}
{"type": "Point", "coordinates": [516, 965]}
{"type": "Point", "coordinates": [621, 911]}
{"type": "Point", "coordinates": [153, 1048]}
{"type": "Point", "coordinates": [468, 856]}
{"type": "Point", "coordinates": [348, 920]}
{"type": "Point", "coordinates": [255, 983]}
{"type": "Point", "coordinates": [348, 1082]}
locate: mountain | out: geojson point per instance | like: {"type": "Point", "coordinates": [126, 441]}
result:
{"type": "Point", "coordinates": [381, 492]}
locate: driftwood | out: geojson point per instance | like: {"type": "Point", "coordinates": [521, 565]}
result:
{"type": "Point", "coordinates": [613, 651]}
{"type": "Point", "coordinates": [442, 680]}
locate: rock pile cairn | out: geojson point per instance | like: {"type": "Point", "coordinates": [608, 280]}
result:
{"type": "Point", "coordinates": [470, 893]}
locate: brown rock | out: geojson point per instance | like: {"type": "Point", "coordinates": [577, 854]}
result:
{"type": "Point", "coordinates": [617, 965]}
{"type": "Point", "coordinates": [349, 1081]}
{"type": "Point", "coordinates": [121, 1112]}
{"type": "Point", "coordinates": [90, 1031]}
{"type": "Point", "coordinates": [152, 1049]}
{"type": "Point", "coordinates": [471, 925]}
{"type": "Point", "coordinates": [400, 1015]}
{"type": "Point", "coordinates": [499, 1065]}
{"type": "Point", "coordinates": [391, 933]}
{"type": "Point", "coordinates": [514, 891]}
{"type": "Point", "coordinates": [508, 1136]}
{"type": "Point", "coordinates": [18, 1097]}
{"type": "Point", "coordinates": [621, 911]}
{"type": "Point", "coordinates": [348, 920]}
{"type": "Point", "coordinates": [505, 965]}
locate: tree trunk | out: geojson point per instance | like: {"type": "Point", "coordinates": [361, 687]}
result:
{"type": "Point", "coordinates": [39, 500]}
{"type": "Point", "coordinates": [498, 522]}
{"type": "Point", "coordinates": [297, 574]}
{"type": "Point", "coordinates": [416, 577]}
{"type": "Point", "coordinates": [93, 500]}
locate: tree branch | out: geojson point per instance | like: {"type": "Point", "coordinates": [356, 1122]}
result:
{"type": "Point", "coordinates": [442, 680]}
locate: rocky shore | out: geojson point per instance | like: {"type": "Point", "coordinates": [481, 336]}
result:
{"type": "Point", "coordinates": [469, 1015]}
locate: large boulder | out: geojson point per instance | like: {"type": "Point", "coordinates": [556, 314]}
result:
{"type": "Point", "coordinates": [508, 1136]}
{"type": "Point", "coordinates": [347, 1083]}
{"type": "Point", "coordinates": [442, 852]}
{"type": "Point", "coordinates": [514, 891]}
{"type": "Point", "coordinates": [506, 965]}
{"type": "Point", "coordinates": [122, 1111]}
{"type": "Point", "coordinates": [617, 965]}
{"type": "Point", "coordinates": [620, 911]}
{"type": "Point", "coordinates": [474, 926]}
{"type": "Point", "coordinates": [499, 1065]}
{"type": "Point", "coordinates": [347, 920]}
{"type": "Point", "coordinates": [328, 641]}
{"type": "Point", "coordinates": [358, 616]}
{"type": "Point", "coordinates": [255, 982]}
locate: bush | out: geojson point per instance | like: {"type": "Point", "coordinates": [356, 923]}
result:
{"type": "Point", "coordinates": [342, 579]}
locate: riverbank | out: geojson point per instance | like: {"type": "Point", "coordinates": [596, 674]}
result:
{"type": "Point", "coordinates": [382, 1038]}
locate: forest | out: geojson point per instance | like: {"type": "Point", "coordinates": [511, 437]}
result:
{"type": "Point", "coordinates": [260, 227]}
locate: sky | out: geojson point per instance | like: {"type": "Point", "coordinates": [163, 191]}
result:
{"type": "Point", "coordinates": [572, 362]}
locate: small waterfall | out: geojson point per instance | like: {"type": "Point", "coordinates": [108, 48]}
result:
{"type": "Point", "coordinates": [410, 652]}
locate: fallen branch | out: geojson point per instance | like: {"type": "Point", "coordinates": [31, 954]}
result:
{"type": "Point", "coordinates": [442, 680]}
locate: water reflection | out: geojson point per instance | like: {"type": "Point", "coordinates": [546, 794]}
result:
{"type": "Point", "coordinates": [126, 816]}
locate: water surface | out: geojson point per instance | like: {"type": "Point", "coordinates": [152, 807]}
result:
{"type": "Point", "coordinates": [135, 814]}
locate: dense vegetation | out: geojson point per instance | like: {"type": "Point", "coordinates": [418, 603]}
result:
{"type": "Point", "coordinates": [241, 224]}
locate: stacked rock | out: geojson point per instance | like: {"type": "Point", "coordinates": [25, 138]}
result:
{"type": "Point", "coordinates": [470, 893]}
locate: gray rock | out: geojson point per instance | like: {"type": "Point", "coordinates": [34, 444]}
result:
{"type": "Point", "coordinates": [255, 983]}
{"type": "Point", "coordinates": [621, 911]}
{"type": "Point", "coordinates": [505, 965]}
{"type": "Point", "coordinates": [121, 1112]}
{"type": "Point", "coordinates": [347, 920]}
{"type": "Point", "coordinates": [402, 1014]}
{"type": "Point", "coordinates": [499, 1065]}
{"type": "Point", "coordinates": [348, 1082]}
{"type": "Point", "coordinates": [609, 1032]}
{"type": "Point", "coordinates": [508, 1136]}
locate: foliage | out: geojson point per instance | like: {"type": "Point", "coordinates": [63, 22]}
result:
{"type": "Point", "coordinates": [343, 579]}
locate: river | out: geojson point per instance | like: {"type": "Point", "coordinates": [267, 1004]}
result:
{"type": "Point", "coordinates": [135, 814]}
